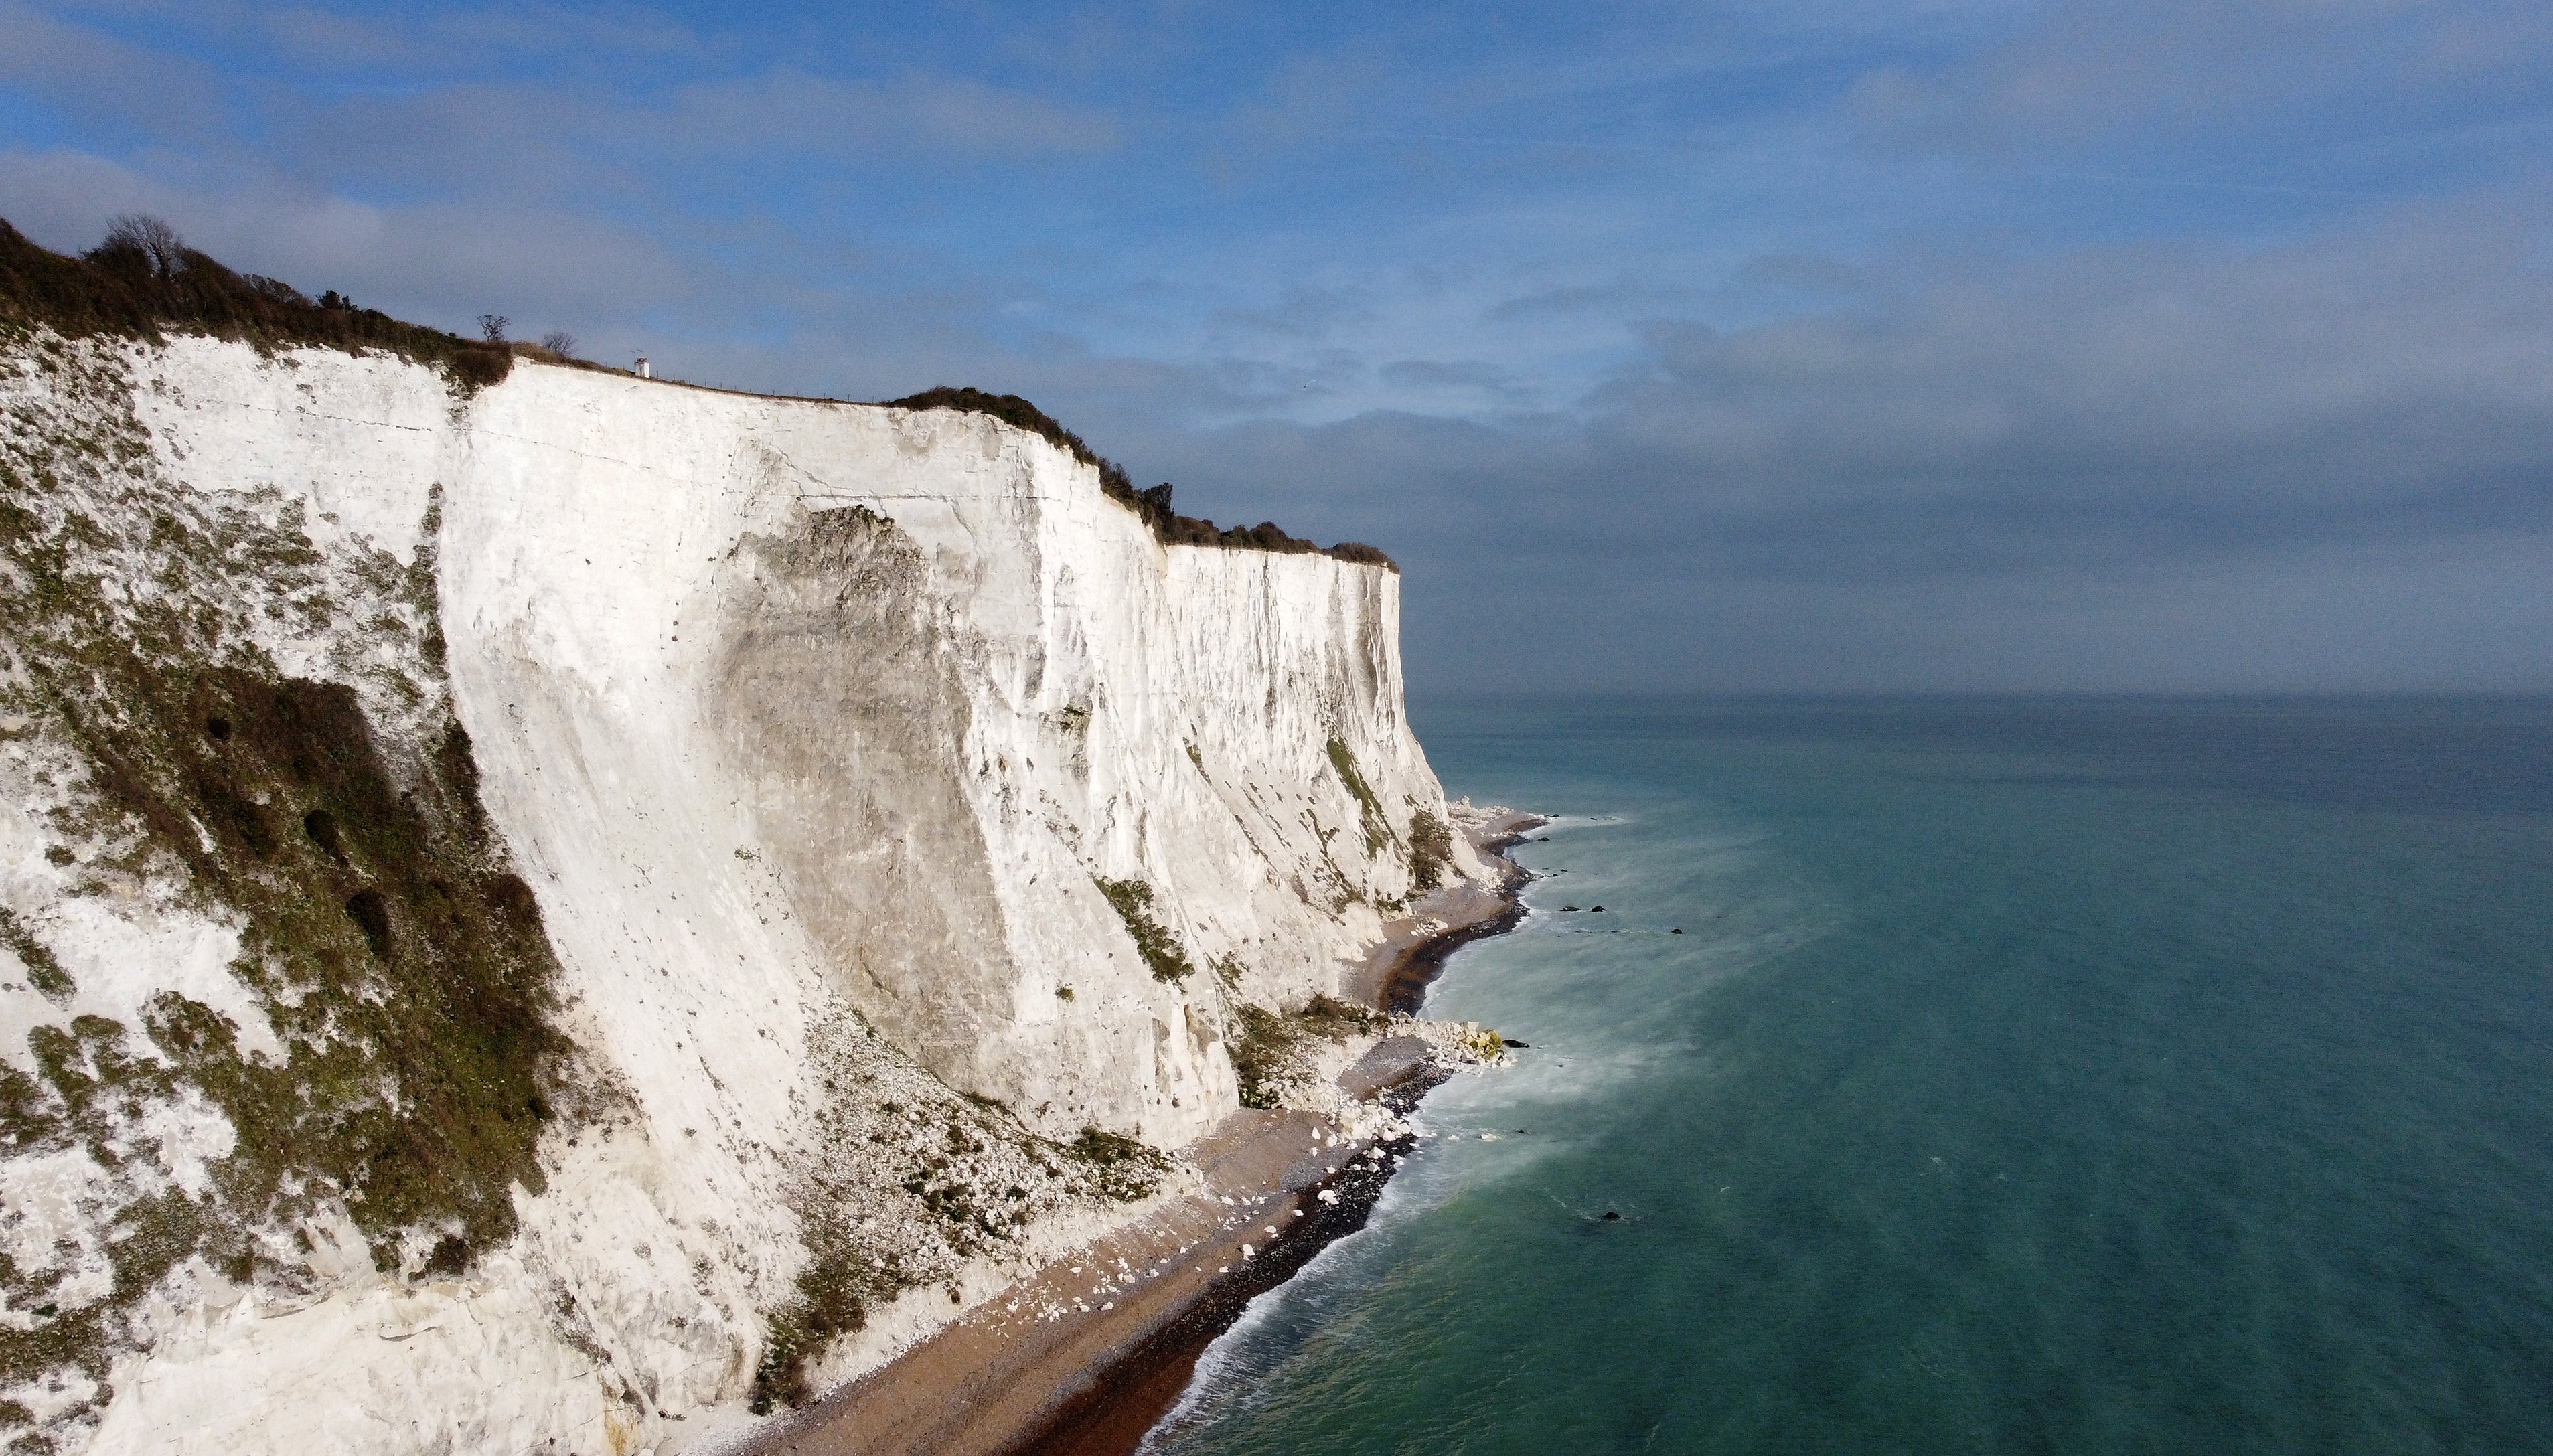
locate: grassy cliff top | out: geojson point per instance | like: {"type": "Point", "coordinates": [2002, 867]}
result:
{"type": "Point", "coordinates": [145, 283]}
{"type": "Point", "coordinates": [1153, 504]}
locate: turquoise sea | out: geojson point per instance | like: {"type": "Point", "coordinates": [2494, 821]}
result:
{"type": "Point", "coordinates": [2066, 1075]}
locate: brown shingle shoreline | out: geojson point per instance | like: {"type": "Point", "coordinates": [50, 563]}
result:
{"type": "Point", "coordinates": [1009, 1381]}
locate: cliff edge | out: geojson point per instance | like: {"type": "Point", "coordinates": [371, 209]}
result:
{"type": "Point", "coordinates": [532, 908]}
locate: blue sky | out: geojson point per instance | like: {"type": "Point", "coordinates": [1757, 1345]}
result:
{"type": "Point", "coordinates": [2185, 345]}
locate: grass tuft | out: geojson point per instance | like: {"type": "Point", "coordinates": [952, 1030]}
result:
{"type": "Point", "coordinates": [44, 971]}
{"type": "Point", "coordinates": [1267, 1051]}
{"type": "Point", "coordinates": [1123, 1167]}
{"type": "Point", "coordinates": [1133, 902]}
{"type": "Point", "coordinates": [1377, 826]}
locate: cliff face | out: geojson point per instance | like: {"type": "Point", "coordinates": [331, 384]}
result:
{"type": "Point", "coordinates": [540, 909]}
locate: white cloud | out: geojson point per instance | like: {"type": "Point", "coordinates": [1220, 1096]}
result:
{"type": "Point", "coordinates": [2090, 71]}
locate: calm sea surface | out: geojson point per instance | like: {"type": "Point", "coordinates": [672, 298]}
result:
{"type": "Point", "coordinates": [2063, 1076]}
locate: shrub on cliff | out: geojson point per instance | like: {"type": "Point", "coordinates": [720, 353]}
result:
{"type": "Point", "coordinates": [1120, 1167]}
{"type": "Point", "coordinates": [1260, 1046]}
{"type": "Point", "coordinates": [1011, 409]}
{"type": "Point", "coordinates": [1133, 902]}
{"type": "Point", "coordinates": [1377, 826]}
{"type": "Point", "coordinates": [1431, 850]}
{"type": "Point", "coordinates": [1268, 1048]}
{"type": "Point", "coordinates": [144, 282]}
{"type": "Point", "coordinates": [1151, 503]}
{"type": "Point", "coordinates": [1175, 530]}
{"type": "Point", "coordinates": [1363, 554]}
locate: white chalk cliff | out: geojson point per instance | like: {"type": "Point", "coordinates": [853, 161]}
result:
{"type": "Point", "coordinates": [815, 729]}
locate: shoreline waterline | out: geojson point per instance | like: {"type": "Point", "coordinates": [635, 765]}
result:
{"type": "Point", "coordinates": [1096, 1382]}
{"type": "Point", "coordinates": [2100, 1078]}
{"type": "Point", "coordinates": [1124, 1402]}
{"type": "Point", "coordinates": [1127, 1400]}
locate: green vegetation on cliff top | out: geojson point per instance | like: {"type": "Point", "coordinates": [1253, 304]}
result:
{"type": "Point", "coordinates": [142, 283]}
{"type": "Point", "coordinates": [1153, 504]}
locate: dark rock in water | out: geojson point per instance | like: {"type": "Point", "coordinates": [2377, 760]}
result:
{"type": "Point", "coordinates": [1513, 1042]}
{"type": "Point", "coordinates": [1599, 910]}
{"type": "Point", "coordinates": [1677, 931]}
{"type": "Point", "coordinates": [1564, 909]}
{"type": "Point", "coordinates": [1612, 1217]}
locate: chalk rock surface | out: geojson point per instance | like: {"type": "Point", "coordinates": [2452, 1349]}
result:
{"type": "Point", "coordinates": [885, 796]}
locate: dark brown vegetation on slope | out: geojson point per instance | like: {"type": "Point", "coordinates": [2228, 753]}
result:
{"type": "Point", "coordinates": [144, 282]}
{"type": "Point", "coordinates": [1133, 902]}
{"type": "Point", "coordinates": [390, 943]}
{"type": "Point", "coordinates": [1153, 504]}
{"type": "Point", "coordinates": [1431, 851]}
{"type": "Point", "coordinates": [400, 964]}
{"type": "Point", "coordinates": [1266, 1046]}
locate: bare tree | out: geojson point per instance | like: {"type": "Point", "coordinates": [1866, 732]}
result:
{"type": "Point", "coordinates": [150, 236]}
{"type": "Point", "coordinates": [560, 342]}
{"type": "Point", "coordinates": [493, 326]}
